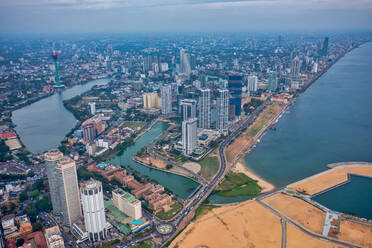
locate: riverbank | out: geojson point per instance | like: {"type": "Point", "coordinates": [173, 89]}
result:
{"type": "Point", "coordinates": [43, 124]}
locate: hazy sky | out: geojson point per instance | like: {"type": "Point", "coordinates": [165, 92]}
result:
{"type": "Point", "coordinates": [143, 15]}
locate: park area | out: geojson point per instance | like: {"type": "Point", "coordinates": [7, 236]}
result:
{"type": "Point", "coordinates": [237, 184]}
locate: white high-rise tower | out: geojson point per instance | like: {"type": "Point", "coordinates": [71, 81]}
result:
{"type": "Point", "coordinates": [222, 110]}
{"type": "Point", "coordinates": [189, 136]}
{"type": "Point", "coordinates": [205, 109]}
{"type": "Point", "coordinates": [166, 100]}
{"type": "Point", "coordinates": [93, 209]}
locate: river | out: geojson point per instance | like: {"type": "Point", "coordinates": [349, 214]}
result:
{"type": "Point", "coordinates": [43, 125]}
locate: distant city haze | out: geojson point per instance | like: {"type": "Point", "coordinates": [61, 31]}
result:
{"type": "Point", "coordinates": [63, 16]}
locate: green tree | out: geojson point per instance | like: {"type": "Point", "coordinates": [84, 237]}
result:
{"type": "Point", "coordinates": [31, 210]}
{"type": "Point", "coordinates": [35, 193]}
{"type": "Point", "coordinates": [23, 196]}
{"type": "Point", "coordinates": [44, 204]}
{"type": "Point", "coordinates": [38, 184]}
{"type": "Point", "coordinates": [37, 226]}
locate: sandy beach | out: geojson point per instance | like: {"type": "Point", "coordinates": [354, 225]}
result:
{"type": "Point", "coordinates": [266, 186]}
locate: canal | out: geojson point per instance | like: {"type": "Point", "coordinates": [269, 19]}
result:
{"type": "Point", "coordinates": [179, 185]}
{"type": "Point", "coordinates": [43, 125]}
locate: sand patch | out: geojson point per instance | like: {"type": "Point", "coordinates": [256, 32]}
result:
{"type": "Point", "coordinates": [233, 226]}
{"type": "Point", "coordinates": [194, 167]}
{"type": "Point", "coordinates": [298, 210]}
{"type": "Point", "coordinates": [297, 238]}
{"type": "Point", "coordinates": [356, 233]}
{"type": "Point", "coordinates": [241, 168]}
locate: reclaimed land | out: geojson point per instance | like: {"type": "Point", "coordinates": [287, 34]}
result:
{"type": "Point", "coordinates": [247, 224]}
{"type": "Point", "coordinates": [337, 175]}
{"type": "Point", "coordinates": [236, 225]}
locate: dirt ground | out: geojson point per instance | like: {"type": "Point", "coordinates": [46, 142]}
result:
{"type": "Point", "coordinates": [233, 226]}
{"type": "Point", "coordinates": [244, 225]}
{"type": "Point", "coordinates": [330, 178]}
{"type": "Point", "coordinates": [247, 138]}
{"type": "Point", "coordinates": [298, 210]}
{"type": "Point", "coordinates": [356, 233]}
{"type": "Point", "coordinates": [195, 167]}
{"type": "Point", "coordinates": [297, 238]}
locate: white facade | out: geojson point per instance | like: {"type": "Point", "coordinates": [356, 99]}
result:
{"type": "Point", "coordinates": [189, 136]}
{"type": "Point", "coordinates": [205, 109]}
{"type": "Point", "coordinates": [94, 209]}
{"type": "Point", "coordinates": [222, 110]}
{"type": "Point", "coordinates": [92, 106]}
{"type": "Point", "coordinates": [166, 99]}
{"type": "Point", "coordinates": [185, 66]}
{"type": "Point", "coordinates": [188, 109]}
{"type": "Point", "coordinates": [127, 204]}
{"type": "Point", "coordinates": [252, 83]}
{"type": "Point", "coordinates": [296, 65]}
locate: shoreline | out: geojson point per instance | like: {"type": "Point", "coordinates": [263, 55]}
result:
{"type": "Point", "coordinates": [240, 161]}
{"type": "Point", "coordinates": [265, 185]}
{"type": "Point", "coordinates": [28, 103]}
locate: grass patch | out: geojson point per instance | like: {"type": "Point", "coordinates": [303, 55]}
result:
{"type": "Point", "coordinates": [237, 184]}
{"type": "Point", "coordinates": [176, 207]}
{"type": "Point", "coordinates": [209, 165]}
{"type": "Point", "coordinates": [109, 244]}
{"type": "Point", "coordinates": [133, 124]}
{"type": "Point", "coordinates": [145, 244]}
{"type": "Point", "coordinates": [203, 209]}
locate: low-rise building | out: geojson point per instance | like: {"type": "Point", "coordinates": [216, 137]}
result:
{"type": "Point", "coordinates": [54, 238]}
{"type": "Point", "coordinates": [127, 203]}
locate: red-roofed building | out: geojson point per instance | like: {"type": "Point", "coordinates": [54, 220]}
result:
{"type": "Point", "coordinates": [8, 135]}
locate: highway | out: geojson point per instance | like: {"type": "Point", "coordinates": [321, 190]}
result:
{"type": "Point", "coordinates": [188, 211]}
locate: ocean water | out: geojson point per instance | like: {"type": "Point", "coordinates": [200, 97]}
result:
{"type": "Point", "coordinates": [330, 122]}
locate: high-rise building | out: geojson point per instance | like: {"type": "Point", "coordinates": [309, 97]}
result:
{"type": "Point", "coordinates": [151, 100]}
{"type": "Point", "coordinates": [325, 47]}
{"type": "Point", "coordinates": [296, 66]}
{"type": "Point", "coordinates": [127, 203]}
{"type": "Point", "coordinates": [166, 100]}
{"type": "Point", "coordinates": [314, 69]}
{"type": "Point", "coordinates": [189, 136]}
{"type": "Point", "coordinates": [205, 109]}
{"type": "Point", "coordinates": [235, 86]}
{"type": "Point", "coordinates": [92, 106]}
{"type": "Point", "coordinates": [62, 178]}
{"type": "Point", "coordinates": [222, 110]}
{"type": "Point", "coordinates": [188, 109]}
{"type": "Point", "coordinates": [185, 66]}
{"type": "Point", "coordinates": [252, 83]}
{"type": "Point", "coordinates": [51, 158]}
{"type": "Point", "coordinates": [89, 132]}
{"type": "Point", "coordinates": [93, 209]}
{"type": "Point", "coordinates": [149, 60]}
{"type": "Point", "coordinates": [273, 81]}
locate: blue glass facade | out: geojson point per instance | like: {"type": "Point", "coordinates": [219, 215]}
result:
{"type": "Point", "coordinates": [235, 86]}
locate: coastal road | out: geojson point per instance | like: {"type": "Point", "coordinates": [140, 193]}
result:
{"type": "Point", "coordinates": [187, 213]}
